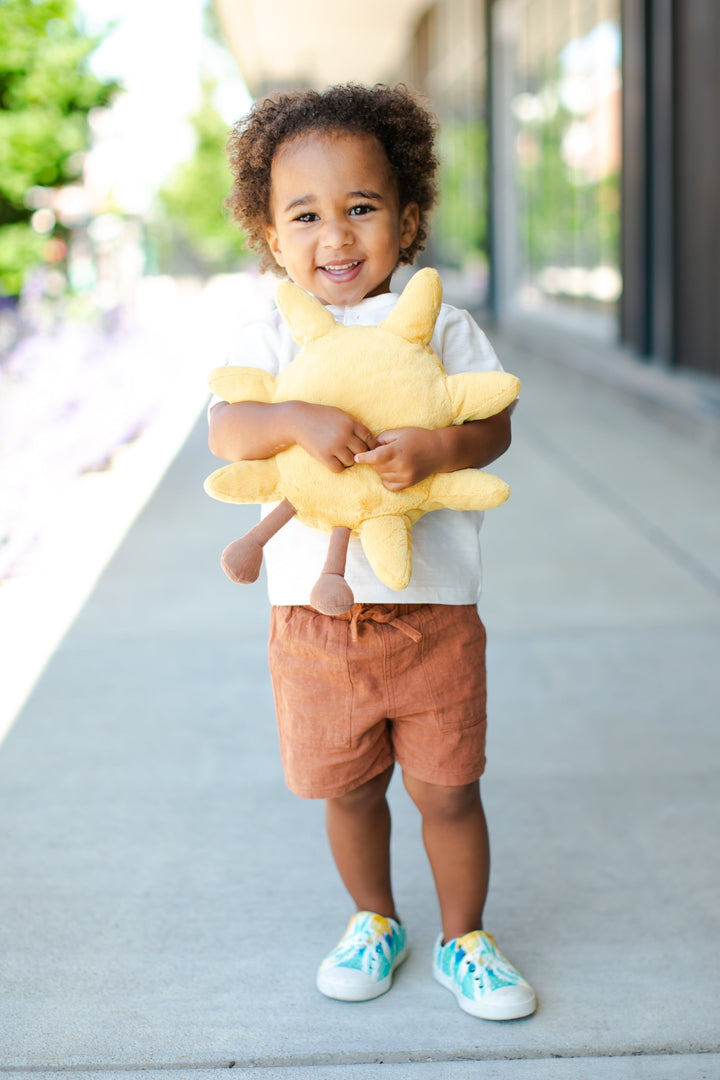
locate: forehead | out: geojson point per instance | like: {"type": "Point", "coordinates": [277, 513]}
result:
{"type": "Point", "coordinates": [340, 157]}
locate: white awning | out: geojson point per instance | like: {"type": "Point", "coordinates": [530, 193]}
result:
{"type": "Point", "coordinates": [290, 43]}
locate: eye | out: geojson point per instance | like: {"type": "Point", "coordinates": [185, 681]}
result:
{"type": "Point", "coordinates": [309, 216]}
{"type": "Point", "coordinates": [363, 208]}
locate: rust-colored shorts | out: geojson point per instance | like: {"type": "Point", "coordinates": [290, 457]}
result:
{"type": "Point", "coordinates": [384, 683]}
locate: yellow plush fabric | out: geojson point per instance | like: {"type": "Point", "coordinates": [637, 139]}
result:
{"type": "Point", "coordinates": [388, 377]}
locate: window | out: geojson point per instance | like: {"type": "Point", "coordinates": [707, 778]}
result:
{"type": "Point", "coordinates": [561, 109]}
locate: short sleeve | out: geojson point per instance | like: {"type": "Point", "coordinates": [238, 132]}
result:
{"type": "Point", "coordinates": [264, 344]}
{"type": "Point", "coordinates": [259, 345]}
{"type": "Point", "coordinates": [461, 344]}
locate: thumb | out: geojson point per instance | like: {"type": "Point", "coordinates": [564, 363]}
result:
{"type": "Point", "coordinates": [367, 457]}
{"type": "Point", "coordinates": [375, 457]}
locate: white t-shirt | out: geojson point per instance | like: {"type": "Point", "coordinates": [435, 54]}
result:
{"type": "Point", "coordinates": [446, 566]}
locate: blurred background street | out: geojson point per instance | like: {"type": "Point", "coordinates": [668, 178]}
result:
{"type": "Point", "coordinates": [579, 222]}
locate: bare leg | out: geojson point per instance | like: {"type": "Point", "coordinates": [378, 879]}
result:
{"type": "Point", "coordinates": [358, 828]}
{"type": "Point", "coordinates": [331, 593]}
{"type": "Point", "coordinates": [456, 841]}
{"type": "Point", "coordinates": [242, 559]}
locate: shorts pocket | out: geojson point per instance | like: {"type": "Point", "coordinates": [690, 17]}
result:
{"type": "Point", "coordinates": [454, 665]}
{"type": "Point", "coordinates": [311, 683]}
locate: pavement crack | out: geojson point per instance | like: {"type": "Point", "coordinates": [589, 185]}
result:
{"type": "Point", "coordinates": [359, 1059]}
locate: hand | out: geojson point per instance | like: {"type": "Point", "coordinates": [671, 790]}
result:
{"type": "Point", "coordinates": [403, 457]}
{"type": "Point", "coordinates": [330, 435]}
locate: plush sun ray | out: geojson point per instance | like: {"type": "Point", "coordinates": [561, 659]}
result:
{"type": "Point", "coordinates": [388, 377]}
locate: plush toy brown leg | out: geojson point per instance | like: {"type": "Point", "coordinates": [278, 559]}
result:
{"type": "Point", "coordinates": [331, 593]}
{"type": "Point", "coordinates": [242, 559]}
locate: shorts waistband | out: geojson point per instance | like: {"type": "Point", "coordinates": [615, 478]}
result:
{"type": "Point", "coordinates": [381, 613]}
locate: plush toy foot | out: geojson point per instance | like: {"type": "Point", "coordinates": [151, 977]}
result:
{"type": "Point", "coordinates": [332, 595]}
{"type": "Point", "coordinates": [242, 560]}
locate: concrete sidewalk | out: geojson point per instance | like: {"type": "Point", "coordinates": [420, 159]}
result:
{"type": "Point", "coordinates": [165, 901]}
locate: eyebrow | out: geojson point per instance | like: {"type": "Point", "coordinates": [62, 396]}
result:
{"type": "Point", "coordinates": [366, 195]}
{"type": "Point", "coordinates": [304, 200]}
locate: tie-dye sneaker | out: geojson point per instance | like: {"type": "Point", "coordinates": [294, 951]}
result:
{"type": "Point", "coordinates": [483, 981]}
{"type": "Point", "coordinates": [361, 965]}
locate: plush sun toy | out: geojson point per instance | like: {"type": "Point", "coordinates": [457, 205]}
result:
{"type": "Point", "coordinates": [388, 377]}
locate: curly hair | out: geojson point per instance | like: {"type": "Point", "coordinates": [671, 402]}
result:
{"type": "Point", "coordinates": [395, 116]}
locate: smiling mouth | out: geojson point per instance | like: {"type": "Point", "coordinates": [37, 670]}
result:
{"type": "Point", "coordinates": [341, 268]}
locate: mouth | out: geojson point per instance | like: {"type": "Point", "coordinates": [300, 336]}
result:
{"type": "Point", "coordinates": [342, 271]}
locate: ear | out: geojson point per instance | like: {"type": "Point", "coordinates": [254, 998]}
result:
{"type": "Point", "coordinates": [274, 244]}
{"type": "Point", "coordinates": [307, 318]}
{"type": "Point", "coordinates": [409, 224]}
{"type": "Point", "coordinates": [416, 312]}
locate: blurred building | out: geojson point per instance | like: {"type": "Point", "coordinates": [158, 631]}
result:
{"type": "Point", "coordinates": [580, 145]}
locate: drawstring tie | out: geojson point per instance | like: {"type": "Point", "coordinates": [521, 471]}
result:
{"type": "Point", "coordinates": [388, 613]}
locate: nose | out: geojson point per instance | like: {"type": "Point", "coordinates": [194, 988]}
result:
{"type": "Point", "coordinates": [336, 232]}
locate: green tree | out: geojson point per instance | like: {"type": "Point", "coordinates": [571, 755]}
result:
{"type": "Point", "coordinates": [46, 93]}
{"type": "Point", "coordinates": [192, 201]}
{"type": "Point", "coordinates": [460, 228]}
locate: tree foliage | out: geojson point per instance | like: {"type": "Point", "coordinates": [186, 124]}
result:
{"type": "Point", "coordinates": [192, 201]}
{"type": "Point", "coordinates": [46, 93]}
{"type": "Point", "coordinates": [460, 230]}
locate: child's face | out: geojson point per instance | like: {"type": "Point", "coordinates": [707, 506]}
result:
{"type": "Point", "coordinates": [336, 223]}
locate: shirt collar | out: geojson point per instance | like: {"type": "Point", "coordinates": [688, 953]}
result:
{"type": "Point", "coordinates": [352, 312]}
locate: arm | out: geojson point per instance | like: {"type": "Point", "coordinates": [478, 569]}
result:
{"type": "Point", "coordinates": [406, 456]}
{"type": "Point", "coordinates": [253, 430]}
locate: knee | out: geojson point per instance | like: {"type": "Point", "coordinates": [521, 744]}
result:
{"type": "Point", "coordinates": [366, 797]}
{"type": "Point", "coordinates": [436, 802]}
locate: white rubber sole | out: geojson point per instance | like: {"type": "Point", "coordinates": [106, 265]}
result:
{"type": "Point", "coordinates": [507, 1003]}
{"type": "Point", "coordinates": [348, 984]}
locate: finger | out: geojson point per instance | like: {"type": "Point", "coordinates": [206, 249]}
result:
{"type": "Point", "coordinates": [358, 445]}
{"type": "Point", "coordinates": [371, 442]}
{"type": "Point", "coordinates": [366, 437]}
{"type": "Point", "coordinates": [346, 457]}
{"type": "Point", "coordinates": [371, 457]}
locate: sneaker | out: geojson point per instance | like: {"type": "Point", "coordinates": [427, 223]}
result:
{"type": "Point", "coordinates": [361, 965]}
{"type": "Point", "coordinates": [484, 982]}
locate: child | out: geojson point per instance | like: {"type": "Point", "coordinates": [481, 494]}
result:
{"type": "Point", "coordinates": [335, 189]}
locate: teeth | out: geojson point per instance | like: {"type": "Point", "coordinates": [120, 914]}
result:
{"type": "Point", "coordinates": [343, 266]}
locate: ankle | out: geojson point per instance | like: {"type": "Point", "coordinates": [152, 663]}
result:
{"type": "Point", "coordinates": [388, 911]}
{"type": "Point", "coordinates": [458, 930]}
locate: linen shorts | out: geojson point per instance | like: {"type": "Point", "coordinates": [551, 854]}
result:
{"type": "Point", "coordinates": [384, 683]}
